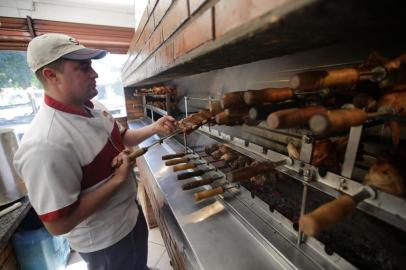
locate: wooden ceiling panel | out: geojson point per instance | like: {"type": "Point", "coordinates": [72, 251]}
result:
{"type": "Point", "coordinates": [15, 34]}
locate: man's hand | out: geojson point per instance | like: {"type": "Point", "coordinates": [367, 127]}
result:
{"type": "Point", "coordinates": [123, 166]}
{"type": "Point", "coordinates": [91, 201]}
{"type": "Point", "coordinates": [165, 125]}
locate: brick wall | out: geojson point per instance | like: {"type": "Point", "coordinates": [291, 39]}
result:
{"type": "Point", "coordinates": [172, 29]}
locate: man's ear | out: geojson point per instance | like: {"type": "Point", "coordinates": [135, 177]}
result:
{"type": "Point", "coordinates": [49, 74]}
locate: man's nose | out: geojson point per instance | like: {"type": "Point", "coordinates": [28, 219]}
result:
{"type": "Point", "coordinates": [93, 73]}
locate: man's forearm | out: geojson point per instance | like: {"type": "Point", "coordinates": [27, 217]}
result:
{"type": "Point", "coordinates": [87, 205]}
{"type": "Point", "coordinates": [134, 137]}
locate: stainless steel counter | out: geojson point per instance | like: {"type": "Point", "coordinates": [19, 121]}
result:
{"type": "Point", "coordinates": [214, 233]}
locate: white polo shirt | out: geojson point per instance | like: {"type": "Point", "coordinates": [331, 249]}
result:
{"type": "Point", "coordinates": [67, 152]}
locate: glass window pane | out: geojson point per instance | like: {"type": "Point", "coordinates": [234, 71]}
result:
{"type": "Point", "coordinates": [109, 84]}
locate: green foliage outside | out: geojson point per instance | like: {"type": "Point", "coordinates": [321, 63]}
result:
{"type": "Point", "coordinates": [14, 71]}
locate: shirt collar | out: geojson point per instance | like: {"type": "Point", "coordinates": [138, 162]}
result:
{"type": "Point", "coordinates": [66, 108]}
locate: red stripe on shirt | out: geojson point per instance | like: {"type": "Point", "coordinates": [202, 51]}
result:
{"type": "Point", "coordinates": [54, 215]}
{"type": "Point", "coordinates": [67, 108]}
{"type": "Point", "coordinates": [100, 167]}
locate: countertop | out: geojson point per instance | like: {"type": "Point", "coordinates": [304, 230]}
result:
{"type": "Point", "coordinates": [217, 238]}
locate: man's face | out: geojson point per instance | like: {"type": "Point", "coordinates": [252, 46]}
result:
{"type": "Point", "coordinates": [78, 81]}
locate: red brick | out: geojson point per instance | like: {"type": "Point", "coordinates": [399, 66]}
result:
{"type": "Point", "coordinates": [141, 25]}
{"type": "Point", "coordinates": [141, 56]}
{"type": "Point", "coordinates": [150, 66]}
{"type": "Point", "coordinates": [156, 39]}
{"type": "Point", "coordinates": [165, 56]}
{"type": "Point", "coordinates": [129, 63]}
{"type": "Point", "coordinates": [195, 5]}
{"type": "Point", "coordinates": [229, 14]}
{"type": "Point", "coordinates": [176, 15]}
{"type": "Point", "coordinates": [132, 46]}
{"type": "Point", "coordinates": [194, 34]}
{"type": "Point", "coordinates": [149, 28]}
{"type": "Point", "coordinates": [160, 9]}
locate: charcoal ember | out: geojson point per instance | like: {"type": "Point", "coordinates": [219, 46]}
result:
{"type": "Point", "coordinates": [283, 205]}
{"type": "Point", "coordinates": [208, 149]}
{"type": "Point", "coordinates": [259, 180]}
{"type": "Point", "coordinates": [264, 182]}
{"type": "Point", "coordinates": [348, 239]}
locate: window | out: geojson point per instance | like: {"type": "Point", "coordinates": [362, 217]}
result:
{"type": "Point", "coordinates": [109, 85]}
{"type": "Point", "coordinates": [21, 94]}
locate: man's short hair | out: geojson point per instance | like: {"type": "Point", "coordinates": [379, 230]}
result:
{"type": "Point", "coordinates": [56, 65]}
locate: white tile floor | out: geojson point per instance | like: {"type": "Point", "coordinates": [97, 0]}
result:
{"type": "Point", "coordinates": [157, 255]}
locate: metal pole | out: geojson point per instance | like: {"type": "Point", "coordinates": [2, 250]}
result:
{"type": "Point", "coordinates": [144, 105]}
{"type": "Point", "coordinates": [168, 103]}
{"type": "Point", "coordinates": [186, 114]}
{"type": "Point", "coordinates": [351, 151]}
{"type": "Point", "coordinates": [306, 178]}
{"type": "Point", "coordinates": [186, 110]}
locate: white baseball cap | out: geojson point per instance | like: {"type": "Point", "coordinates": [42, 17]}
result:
{"type": "Point", "coordinates": [47, 48]}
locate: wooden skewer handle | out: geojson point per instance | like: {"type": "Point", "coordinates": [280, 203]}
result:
{"type": "Point", "coordinates": [176, 161]}
{"type": "Point", "coordinates": [187, 175]}
{"type": "Point", "coordinates": [337, 120]}
{"type": "Point", "coordinates": [244, 174]}
{"type": "Point", "coordinates": [323, 79]}
{"type": "Point", "coordinates": [237, 112]}
{"type": "Point", "coordinates": [261, 112]}
{"type": "Point", "coordinates": [137, 153]}
{"type": "Point", "coordinates": [177, 155]}
{"type": "Point", "coordinates": [224, 119]}
{"type": "Point", "coordinates": [253, 97]}
{"type": "Point", "coordinates": [208, 193]}
{"type": "Point", "coordinates": [233, 99]}
{"type": "Point", "coordinates": [292, 117]}
{"type": "Point", "coordinates": [327, 215]}
{"type": "Point", "coordinates": [198, 183]}
{"type": "Point", "coordinates": [183, 167]}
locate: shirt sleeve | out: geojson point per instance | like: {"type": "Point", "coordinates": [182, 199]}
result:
{"type": "Point", "coordinates": [52, 175]}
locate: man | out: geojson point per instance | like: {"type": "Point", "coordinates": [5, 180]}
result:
{"type": "Point", "coordinates": [73, 162]}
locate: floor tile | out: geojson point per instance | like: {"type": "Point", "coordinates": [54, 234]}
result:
{"type": "Point", "coordinates": [164, 262]}
{"type": "Point", "coordinates": [155, 236]}
{"type": "Point", "coordinates": [157, 255]}
{"type": "Point", "coordinates": [76, 262]}
{"type": "Point", "coordinates": [155, 252]}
